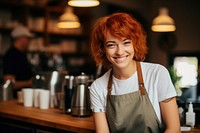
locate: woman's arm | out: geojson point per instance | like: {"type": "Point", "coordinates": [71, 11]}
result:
{"type": "Point", "coordinates": [101, 124]}
{"type": "Point", "coordinates": [169, 111]}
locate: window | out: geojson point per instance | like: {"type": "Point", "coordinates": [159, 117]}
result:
{"type": "Point", "coordinates": [187, 69]}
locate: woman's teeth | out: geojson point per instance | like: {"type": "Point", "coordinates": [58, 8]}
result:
{"type": "Point", "coordinates": [120, 59]}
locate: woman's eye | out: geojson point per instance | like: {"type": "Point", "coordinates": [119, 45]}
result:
{"type": "Point", "coordinates": [111, 45]}
{"type": "Point", "coordinates": [127, 43]}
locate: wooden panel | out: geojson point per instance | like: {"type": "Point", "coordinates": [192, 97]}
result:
{"type": "Point", "coordinates": [53, 118]}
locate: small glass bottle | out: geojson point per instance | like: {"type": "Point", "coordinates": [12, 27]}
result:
{"type": "Point", "coordinates": [190, 116]}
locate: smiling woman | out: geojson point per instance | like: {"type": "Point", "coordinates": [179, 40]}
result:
{"type": "Point", "coordinates": [121, 101]}
{"type": "Point", "coordinates": [121, 26]}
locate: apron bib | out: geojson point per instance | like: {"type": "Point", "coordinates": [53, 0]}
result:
{"type": "Point", "coordinates": [132, 112]}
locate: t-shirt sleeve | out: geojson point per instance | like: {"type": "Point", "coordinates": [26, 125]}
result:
{"type": "Point", "coordinates": [164, 84]}
{"type": "Point", "coordinates": [97, 105]}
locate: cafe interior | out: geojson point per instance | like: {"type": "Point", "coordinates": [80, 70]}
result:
{"type": "Point", "coordinates": [60, 52]}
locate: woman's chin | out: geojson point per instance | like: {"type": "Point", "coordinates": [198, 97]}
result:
{"type": "Point", "coordinates": [120, 65]}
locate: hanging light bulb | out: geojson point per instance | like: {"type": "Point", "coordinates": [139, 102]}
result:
{"type": "Point", "coordinates": [83, 3]}
{"type": "Point", "coordinates": [68, 19]}
{"type": "Point", "coordinates": [163, 22]}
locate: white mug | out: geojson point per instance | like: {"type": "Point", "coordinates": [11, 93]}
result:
{"type": "Point", "coordinates": [36, 97]}
{"type": "Point", "coordinates": [28, 97]}
{"type": "Point", "coordinates": [44, 99]}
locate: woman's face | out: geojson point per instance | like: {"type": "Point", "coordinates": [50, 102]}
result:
{"type": "Point", "coordinates": [119, 51]}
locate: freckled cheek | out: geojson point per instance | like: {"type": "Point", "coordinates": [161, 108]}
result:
{"type": "Point", "coordinates": [129, 48]}
{"type": "Point", "coordinates": [110, 52]}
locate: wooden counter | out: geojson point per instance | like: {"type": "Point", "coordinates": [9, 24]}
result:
{"type": "Point", "coordinates": [194, 130]}
{"type": "Point", "coordinates": [53, 118]}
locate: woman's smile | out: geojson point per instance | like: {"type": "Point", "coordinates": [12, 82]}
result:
{"type": "Point", "coordinates": [120, 59]}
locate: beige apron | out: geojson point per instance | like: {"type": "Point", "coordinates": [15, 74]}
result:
{"type": "Point", "coordinates": [132, 112]}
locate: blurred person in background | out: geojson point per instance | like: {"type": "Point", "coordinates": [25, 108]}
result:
{"type": "Point", "coordinates": [16, 66]}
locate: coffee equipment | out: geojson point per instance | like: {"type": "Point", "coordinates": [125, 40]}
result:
{"type": "Point", "coordinates": [39, 81]}
{"type": "Point", "coordinates": [52, 81]}
{"type": "Point", "coordinates": [80, 105]}
{"type": "Point", "coordinates": [56, 91]}
{"type": "Point", "coordinates": [68, 91]}
{"type": "Point", "coordinates": [6, 91]}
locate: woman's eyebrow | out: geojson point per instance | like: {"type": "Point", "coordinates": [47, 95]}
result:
{"type": "Point", "coordinates": [110, 42]}
{"type": "Point", "coordinates": [126, 39]}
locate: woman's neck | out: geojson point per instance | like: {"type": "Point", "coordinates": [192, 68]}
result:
{"type": "Point", "coordinates": [125, 73]}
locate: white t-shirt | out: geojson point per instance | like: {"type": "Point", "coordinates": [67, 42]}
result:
{"type": "Point", "coordinates": [157, 83]}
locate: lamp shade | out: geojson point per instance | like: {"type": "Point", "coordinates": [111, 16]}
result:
{"type": "Point", "coordinates": [83, 3]}
{"type": "Point", "coordinates": [68, 19]}
{"type": "Point", "coordinates": [163, 22]}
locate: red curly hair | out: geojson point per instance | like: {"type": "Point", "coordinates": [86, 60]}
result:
{"type": "Point", "coordinates": [119, 25]}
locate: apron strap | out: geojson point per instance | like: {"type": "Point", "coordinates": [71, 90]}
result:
{"type": "Point", "coordinates": [110, 84]}
{"type": "Point", "coordinates": [140, 80]}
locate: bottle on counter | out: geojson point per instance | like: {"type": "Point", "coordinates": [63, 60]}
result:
{"type": "Point", "coordinates": [190, 116]}
{"type": "Point", "coordinates": [7, 90]}
{"type": "Point", "coordinates": [181, 115]}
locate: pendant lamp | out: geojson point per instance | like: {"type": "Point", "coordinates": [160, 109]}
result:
{"type": "Point", "coordinates": [68, 19]}
{"type": "Point", "coordinates": [163, 22]}
{"type": "Point", "coordinates": [83, 3]}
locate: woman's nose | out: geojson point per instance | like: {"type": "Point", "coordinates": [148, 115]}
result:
{"type": "Point", "coordinates": [119, 50]}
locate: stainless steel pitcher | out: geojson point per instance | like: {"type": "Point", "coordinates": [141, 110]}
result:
{"type": "Point", "coordinates": [80, 100]}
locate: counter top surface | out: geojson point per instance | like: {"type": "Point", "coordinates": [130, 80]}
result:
{"type": "Point", "coordinates": [54, 118]}
{"type": "Point", "coordinates": [194, 130]}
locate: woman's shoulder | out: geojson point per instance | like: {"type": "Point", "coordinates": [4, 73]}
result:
{"type": "Point", "coordinates": [154, 70]}
{"type": "Point", "coordinates": [146, 66]}
{"type": "Point", "coordinates": [102, 81]}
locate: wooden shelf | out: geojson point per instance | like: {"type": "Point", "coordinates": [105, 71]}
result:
{"type": "Point", "coordinates": [28, 15]}
{"type": "Point", "coordinates": [17, 4]}
{"type": "Point", "coordinates": [8, 30]}
{"type": "Point", "coordinates": [37, 31]}
{"type": "Point", "coordinates": [40, 32]}
{"type": "Point", "coordinates": [72, 36]}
